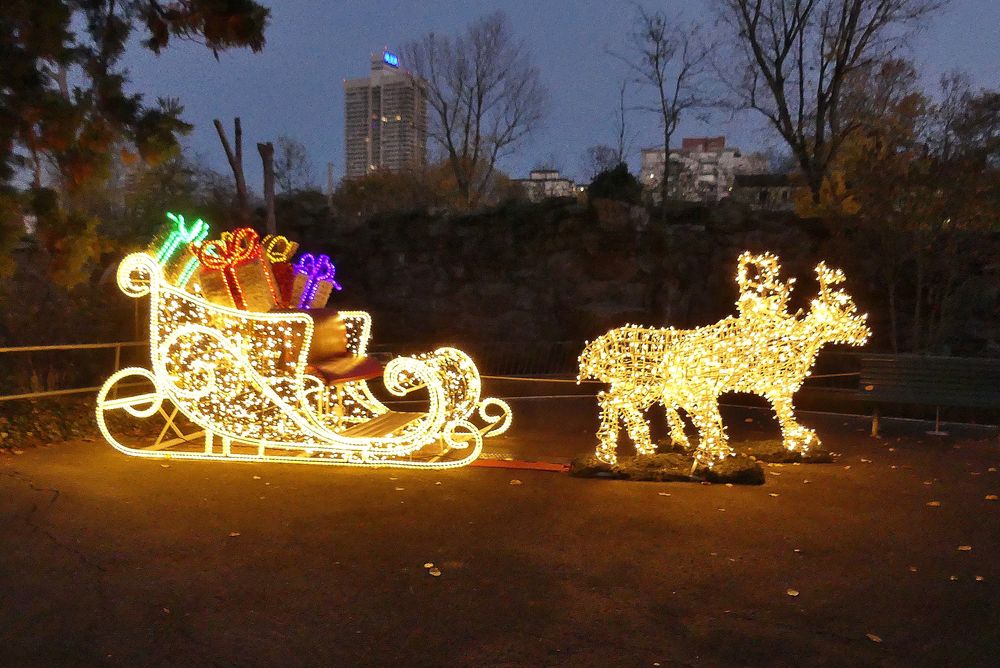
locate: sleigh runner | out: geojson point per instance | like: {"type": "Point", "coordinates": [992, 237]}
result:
{"type": "Point", "coordinates": [263, 386]}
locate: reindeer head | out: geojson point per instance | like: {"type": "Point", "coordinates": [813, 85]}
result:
{"type": "Point", "coordinates": [834, 312]}
{"type": "Point", "coordinates": [592, 364]}
{"type": "Point", "coordinates": [761, 288]}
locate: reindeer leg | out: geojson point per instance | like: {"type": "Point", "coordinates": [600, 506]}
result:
{"type": "Point", "coordinates": [638, 431]}
{"type": "Point", "coordinates": [677, 435]}
{"type": "Point", "coordinates": [713, 444]}
{"type": "Point", "coordinates": [608, 433]}
{"type": "Point", "coordinates": [794, 436]}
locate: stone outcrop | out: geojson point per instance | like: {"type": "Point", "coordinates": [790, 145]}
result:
{"type": "Point", "coordinates": [553, 271]}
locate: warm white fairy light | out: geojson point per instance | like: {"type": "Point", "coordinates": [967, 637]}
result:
{"type": "Point", "coordinates": [240, 376]}
{"type": "Point", "coordinates": [764, 350]}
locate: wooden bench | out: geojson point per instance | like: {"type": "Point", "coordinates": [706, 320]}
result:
{"type": "Point", "coordinates": [959, 382]}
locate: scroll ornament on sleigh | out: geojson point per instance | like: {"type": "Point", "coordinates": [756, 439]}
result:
{"type": "Point", "coordinates": [764, 350]}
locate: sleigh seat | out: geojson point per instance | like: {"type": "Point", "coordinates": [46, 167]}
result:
{"type": "Point", "coordinates": [330, 358]}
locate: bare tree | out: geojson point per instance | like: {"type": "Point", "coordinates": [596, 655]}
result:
{"type": "Point", "coordinates": [672, 59]}
{"type": "Point", "coordinates": [235, 158]}
{"type": "Point", "coordinates": [793, 59]}
{"type": "Point", "coordinates": [485, 97]}
{"type": "Point", "coordinates": [624, 138]}
{"type": "Point", "coordinates": [600, 158]}
{"type": "Point", "coordinates": [266, 150]}
{"type": "Point", "coordinates": [550, 162]}
{"type": "Point", "coordinates": [292, 168]}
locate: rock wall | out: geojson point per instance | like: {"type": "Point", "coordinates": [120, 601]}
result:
{"type": "Point", "coordinates": [554, 271]}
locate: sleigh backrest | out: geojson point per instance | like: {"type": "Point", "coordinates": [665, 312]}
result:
{"type": "Point", "coordinates": [271, 345]}
{"type": "Point", "coordinates": [236, 372]}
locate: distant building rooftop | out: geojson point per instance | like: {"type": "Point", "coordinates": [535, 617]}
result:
{"type": "Point", "coordinates": [761, 181]}
{"type": "Point", "coordinates": [703, 144]}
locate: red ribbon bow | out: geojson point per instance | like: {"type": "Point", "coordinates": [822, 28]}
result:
{"type": "Point", "coordinates": [226, 254]}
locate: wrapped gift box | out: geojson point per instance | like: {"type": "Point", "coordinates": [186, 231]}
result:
{"type": "Point", "coordinates": [313, 282]}
{"type": "Point", "coordinates": [233, 272]}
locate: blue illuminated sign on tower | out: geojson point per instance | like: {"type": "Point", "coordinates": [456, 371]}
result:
{"type": "Point", "coordinates": [390, 58]}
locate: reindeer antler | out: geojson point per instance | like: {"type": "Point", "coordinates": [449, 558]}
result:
{"type": "Point", "coordinates": [828, 277]}
{"type": "Point", "coordinates": [765, 281]}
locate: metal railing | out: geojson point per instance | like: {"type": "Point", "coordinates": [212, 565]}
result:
{"type": "Point", "coordinates": [43, 394]}
{"type": "Point", "coordinates": [496, 360]}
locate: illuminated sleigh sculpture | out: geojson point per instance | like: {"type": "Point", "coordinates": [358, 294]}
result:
{"type": "Point", "coordinates": [240, 377]}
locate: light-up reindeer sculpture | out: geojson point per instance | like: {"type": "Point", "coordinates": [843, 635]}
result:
{"type": "Point", "coordinates": [764, 350]}
{"type": "Point", "coordinates": [239, 379]}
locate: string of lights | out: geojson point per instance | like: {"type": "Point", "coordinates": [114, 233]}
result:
{"type": "Point", "coordinates": [240, 377]}
{"type": "Point", "coordinates": [764, 350]}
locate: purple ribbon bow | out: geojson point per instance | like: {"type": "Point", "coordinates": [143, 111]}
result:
{"type": "Point", "coordinates": [315, 269]}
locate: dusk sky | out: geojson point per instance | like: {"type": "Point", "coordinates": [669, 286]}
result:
{"type": "Point", "coordinates": [294, 86]}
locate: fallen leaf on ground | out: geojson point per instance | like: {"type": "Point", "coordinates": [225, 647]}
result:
{"type": "Point", "coordinates": [437, 483]}
{"type": "Point", "coordinates": [965, 548]}
{"type": "Point", "coordinates": [792, 592]}
{"type": "Point", "coordinates": [773, 494]}
{"type": "Point", "coordinates": [233, 534]}
{"type": "Point", "coordinates": [873, 637]}
{"type": "Point", "coordinates": [400, 489]}
{"type": "Point", "coordinates": [164, 466]}
{"type": "Point", "coordinates": [933, 504]}
{"type": "Point", "coordinates": [663, 493]}
{"type": "Point", "coordinates": [435, 572]}
{"type": "Point", "coordinates": [429, 564]}
{"type": "Point", "coordinates": [979, 578]}
{"type": "Point", "coordinates": [748, 420]}
{"type": "Point", "coordinates": [515, 481]}
{"type": "Point", "coordinates": [256, 477]}
{"type": "Point", "coordinates": [991, 497]}
{"type": "Point", "coordinates": [867, 461]}
{"type": "Point", "coordinates": [847, 467]}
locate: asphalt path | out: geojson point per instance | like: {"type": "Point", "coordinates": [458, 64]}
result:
{"type": "Point", "coordinates": [112, 560]}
